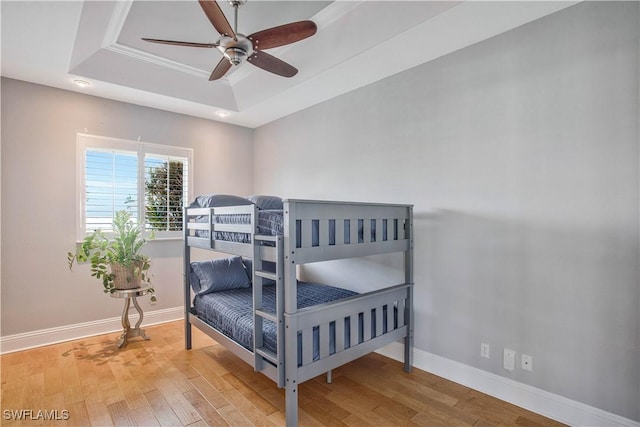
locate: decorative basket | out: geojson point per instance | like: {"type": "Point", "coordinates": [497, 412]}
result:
{"type": "Point", "coordinates": [127, 277]}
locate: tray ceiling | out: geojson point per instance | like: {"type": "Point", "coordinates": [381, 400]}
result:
{"type": "Point", "coordinates": [357, 43]}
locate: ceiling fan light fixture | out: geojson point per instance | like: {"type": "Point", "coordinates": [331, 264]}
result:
{"type": "Point", "coordinates": [235, 55]}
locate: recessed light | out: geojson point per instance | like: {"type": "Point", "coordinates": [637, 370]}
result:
{"type": "Point", "coordinates": [81, 83]}
{"type": "Point", "coordinates": [221, 113]}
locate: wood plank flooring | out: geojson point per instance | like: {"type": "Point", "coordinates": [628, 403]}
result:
{"type": "Point", "coordinates": [159, 383]}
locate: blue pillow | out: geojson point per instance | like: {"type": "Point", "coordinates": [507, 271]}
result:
{"type": "Point", "coordinates": [194, 281]}
{"type": "Point", "coordinates": [248, 268]}
{"type": "Point", "coordinates": [266, 202]}
{"type": "Point", "coordinates": [220, 274]}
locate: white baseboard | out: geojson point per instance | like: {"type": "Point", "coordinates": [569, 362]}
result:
{"type": "Point", "coordinates": [24, 341]}
{"type": "Point", "coordinates": [536, 400]}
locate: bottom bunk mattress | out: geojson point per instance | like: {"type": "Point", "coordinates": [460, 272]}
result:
{"type": "Point", "coordinates": [231, 313]}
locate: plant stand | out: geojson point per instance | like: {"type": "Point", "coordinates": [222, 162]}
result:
{"type": "Point", "coordinates": [127, 330]}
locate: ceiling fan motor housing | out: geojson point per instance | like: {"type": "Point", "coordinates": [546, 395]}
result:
{"type": "Point", "coordinates": [235, 51]}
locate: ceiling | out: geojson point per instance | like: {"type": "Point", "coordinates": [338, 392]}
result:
{"type": "Point", "coordinates": [357, 43]}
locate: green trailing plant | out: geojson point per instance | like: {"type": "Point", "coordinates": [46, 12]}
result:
{"type": "Point", "coordinates": [121, 249]}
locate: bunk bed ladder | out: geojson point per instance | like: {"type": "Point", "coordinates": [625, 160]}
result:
{"type": "Point", "coordinates": [262, 275]}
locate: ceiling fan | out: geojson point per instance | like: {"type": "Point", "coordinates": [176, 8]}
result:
{"type": "Point", "coordinates": [237, 47]}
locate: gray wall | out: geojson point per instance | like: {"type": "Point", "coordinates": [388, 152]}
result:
{"type": "Point", "coordinates": [39, 126]}
{"type": "Point", "coordinates": [521, 157]}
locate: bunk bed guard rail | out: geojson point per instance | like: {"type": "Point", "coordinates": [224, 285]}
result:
{"type": "Point", "coordinates": [313, 230]}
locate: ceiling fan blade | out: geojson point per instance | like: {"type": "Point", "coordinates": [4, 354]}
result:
{"type": "Point", "coordinates": [272, 64]}
{"type": "Point", "coordinates": [179, 43]}
{"type": "Point", "coordinates": [217, 18]}
{"type": "Point", "coordinates": [283, 34]}
{"type": "Point", "coordinates": [221, 69]}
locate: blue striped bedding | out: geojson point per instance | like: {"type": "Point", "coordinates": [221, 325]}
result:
{"type": "Point", "coordinates": [231, 312]}
{"type": "Point", "coordinates": [269, 223]}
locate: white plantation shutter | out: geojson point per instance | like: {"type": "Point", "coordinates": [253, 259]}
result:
{"type": "Point", "coordinates": [151, 181]}
{"type": "Point", "coordinates": [166, 191]}
{"type": "Point", "coordinates": [111, 184]}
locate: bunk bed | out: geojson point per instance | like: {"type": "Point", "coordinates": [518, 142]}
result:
{"type": "Point", "coordinates": [292, 331]}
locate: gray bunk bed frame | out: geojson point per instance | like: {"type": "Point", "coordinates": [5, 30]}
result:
{"type": "Point", "coordinates": [394, 233]}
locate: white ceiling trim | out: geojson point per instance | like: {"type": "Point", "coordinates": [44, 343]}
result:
{"type": "Point", "coordinates": [112, 33]}
{"type": "Point", "coordinates": [335, 11]}
{"type": "Point", "coordinates": [118, 18]}
{"type": "Point", "coordinates": [157, 60]}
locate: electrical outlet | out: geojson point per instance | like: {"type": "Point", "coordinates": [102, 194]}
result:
{"type": "Point", "coordinates": [509, 359]}
{"type": "Point", "coordinates": [527, 362]}
{"type": "Point", "coordinates": [485, 350]}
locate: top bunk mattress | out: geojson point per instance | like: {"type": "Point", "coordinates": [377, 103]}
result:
{"type": "Point", "coordinates": [269, 223]}
{"type": "Point", "coordinates": [269, 215]}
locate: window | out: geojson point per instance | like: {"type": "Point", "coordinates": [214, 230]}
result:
{"type": "Point", "coordinates": [151, 181]}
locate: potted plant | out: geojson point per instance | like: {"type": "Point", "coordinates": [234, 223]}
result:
{"type": "Point", "coordinates": [116, 260]}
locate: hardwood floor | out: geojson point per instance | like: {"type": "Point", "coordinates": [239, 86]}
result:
{"type": "Point", "coordinates": [157, 382]}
